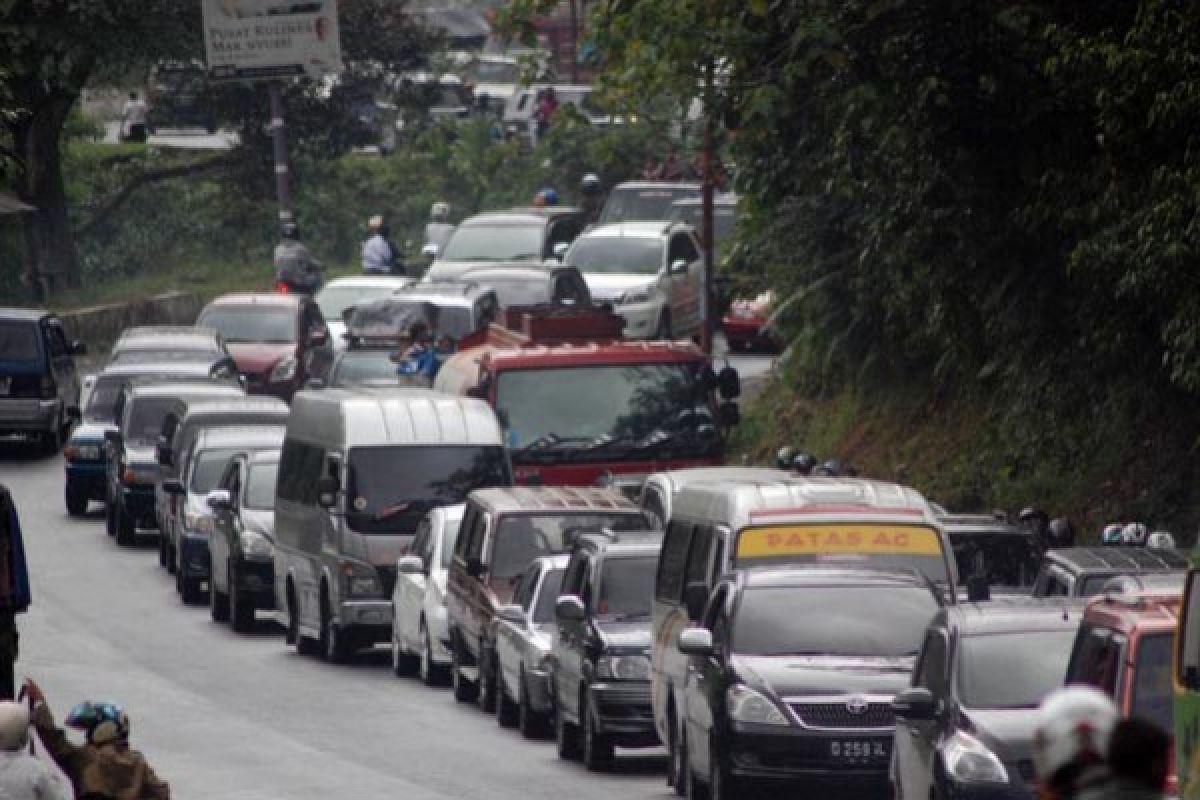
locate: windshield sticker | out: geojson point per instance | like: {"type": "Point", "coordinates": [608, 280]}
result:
{"type": "Point", "coordinates": [845, 539]}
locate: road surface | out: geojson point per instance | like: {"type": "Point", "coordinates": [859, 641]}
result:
{"type": "Point", "coordinates": [235, 717]}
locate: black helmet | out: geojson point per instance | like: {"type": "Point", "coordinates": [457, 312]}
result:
{"type": "Point", "coordinates": [591, 183]}
{"type": "Point", "coordinates": [1060, 533]}
{"type": "Point", "coordinates": [784, 456]}
{"type": "Point", "coordinates": [831, 468]}
{"type": "Point", "coordinates": [804, 463]}
{"type": "Point", "coordinates": [1034, 519]}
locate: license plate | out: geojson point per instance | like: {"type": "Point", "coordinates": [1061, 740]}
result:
{"type": "Point", "coordinates": [5, 385]}
{"type": "Point", "coordinates": [858, 751]}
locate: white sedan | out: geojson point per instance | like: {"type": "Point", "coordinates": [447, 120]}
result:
{"type": "Point", "coordinates": [343, 293]}
{"type": "Point", "coordinates": [420, 638]}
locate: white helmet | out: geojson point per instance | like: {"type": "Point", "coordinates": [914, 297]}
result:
{"type": "Point", "coordinates": [1073, 728]}
{"type": "Point", "coordinates": [1161, 539]}
{"type": "Point", "coordinates": [14, 725]}
{"type": "Point", "coordinates": [440, 210]}
{"type": "Point", "coordinates": [1134, 534]}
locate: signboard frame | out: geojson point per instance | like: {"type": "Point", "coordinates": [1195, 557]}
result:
{"type": "Point", "coordinates": [262, 40]}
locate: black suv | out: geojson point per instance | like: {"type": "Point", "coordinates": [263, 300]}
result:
{"type": "Point", "coordinates": [600, 660]}
{"type": "Point", "coordinates": [990, 547]}
{"type": "Point", "coordinates": [1086, 571]}
{"type": "Point", "coordinates": [792, 675]}
{"type": "Point", "coordinates": [965, 727]}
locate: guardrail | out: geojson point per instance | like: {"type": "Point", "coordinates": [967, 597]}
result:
{"type": "Point", "coordinates": [99, 326]}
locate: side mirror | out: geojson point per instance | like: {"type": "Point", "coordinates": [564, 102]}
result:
{"type": "Point", "coordinates": [728, 415]}
{"type": "Point", "coordinates": [916, 703]}
{"type": "Point", "coordinates": [729, 384]}
{"type": "Point", "coordinates": [695, 642]}
{"type": "Point", "coordinates": [173, 486]}
{"type": "Point", "coordinates": [513, 613]}
{"type": "Point", "coordinates": [695, 597]}
{"type": "Point", "coordinates": [410, 565]}
{"type": "Point", "coordinates": [569, 608]}
{"type": "Point", "coordinates": [217, 499]}
{"type": "Point", "coordinates": [78, 348]}
{"type": "Point", "coordinates": [474, 567]}
{"type": "Point", "coordinates": [327, 489]}
{"type": "Point", "coordinates": [678, 267]}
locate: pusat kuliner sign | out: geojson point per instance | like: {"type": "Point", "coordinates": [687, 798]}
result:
{"type": "Point", "coordinates": [258, 39]}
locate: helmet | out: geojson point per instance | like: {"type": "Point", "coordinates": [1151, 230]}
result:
{"type": "Point", "coordinates": [289, 230]}
{"type": "Point", "coordinates": [1111, 533]}
{"type": "Point", "coordinates": [804, 463]}
{"type": "Point", "coordinates": [1072, 729]}
{"type": "Point", "coordinates": [1060, 532]}
{"type": "Point", "coordinates": [14, 725]}
{"type": "Point", "coordinates": [784, 456]}
{"type": "Point", "coordinates": [104, 722]}
{"type": "Point", "coordinates": [440, 210]}
{"type": "Point", "coordinates": [549, 196]}
{"type": "Point", "coordinates": [590, 183]}
{"type": "Point", "coordinates": [375, 222]}
{"type": "Point", "coordinates": [831, 468]}
{"type": "Point", "coordinates": [1160, 539]}
{"type": "Point", "coordinates": [1033, 518]}
{"type": "Point", "coordinates": [1134, 534]}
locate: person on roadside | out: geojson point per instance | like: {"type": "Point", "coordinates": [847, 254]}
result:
{"type": "Point", "coordinates": [438, 230]}
{"type": "Point", "coordinates": [1071, 742]}
{"type": "Point", "coordinates": [378, 258]}
{"type": "Point", "coordinates": [295, 266]}
{"type": "Point", "coordinates": [1138, 762]}
{"type": "Point", "coordinates": [105, 766]}
{"type": "Point", "coordinates": [23, 776]}
{"type": "Point", "coordinates": [133, 119]}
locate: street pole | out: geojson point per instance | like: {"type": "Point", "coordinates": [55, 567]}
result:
{"type": "Point", "coordinates": [279, 145]}
{"type": "Point", "coordinates": [706, 303]}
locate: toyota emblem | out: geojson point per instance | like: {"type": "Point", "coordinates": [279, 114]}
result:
{"type": "Point", "coordinates": [857, 704]}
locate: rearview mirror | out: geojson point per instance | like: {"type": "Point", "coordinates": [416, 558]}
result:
{"type": "Point", "coordinates": [916, 703]}
{"type": "Point", "coordinates": [327, 489]}
{"type": "Point", "coordinates": [569, 608]}
{"type": "Point", "coordinates": [173, 486]}
{"type": "Point", "coordinates": [512, 613]}
{"type": "Point", "coordinates": [695, 597]}
{"type": "Point", "coordinates": [217, 499]}
{"type": "Point", "coordinates": [410, 565]}
{"type": "Point", "coordinates": [678, 267]}
{"type": "Point", "coordinates": [695, 642]}
{"type": "Point", "coordinates": [729, 384]}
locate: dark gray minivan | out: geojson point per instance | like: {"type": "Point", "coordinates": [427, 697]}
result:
{"type": "Point", "coordinates": [39, 387]}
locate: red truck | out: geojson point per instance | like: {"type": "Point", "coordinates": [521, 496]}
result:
{"type": "Point", "coordinates": [579, 403]}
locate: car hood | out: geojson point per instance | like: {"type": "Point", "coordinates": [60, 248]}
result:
{"type": "Point", "coordinates": [610, 285]}
{"type": "Point", "coordinates": [257, 357]}
{"type": "Point", "coordinates": [1007, 733]}
{"type": "Point", "coordinates": [798, 676]}
{"type": "Point", "coordinates": [625, 635]}
{"type": "Point", "coordinates": [90, 432]}
{"type": "Point", "coordinates": [260, 521]}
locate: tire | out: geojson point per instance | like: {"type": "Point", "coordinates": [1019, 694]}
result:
{"type": "Point", "coordinates": [663, 331]}
{"type": "Point", "coordinates": [241, 613]}
{"type": "Point", "coordinates": [674, 756]}
{"type": "Point", "coordinates": [333, 641]}
{"type": "Point", "coordinates": [126, 527]}
{"type": "Point", "coordinates": [487, 681]}
{"type": "Point", "coordinates": [694, 788]}
{"type": "Point", "coordinates": [431, 674]}
{"type": "Point", "coordinates": [162, 548]}
{"type": "Point", "coordinates": [304, 645]}
{"type": "Point", "coordinates": [218, 603]}
{"type": "Point", "coordinates": [506, 709]}
{"type": "Point", "coordinates": [172, 562]}
{"type": "Point", "coordinates": [464, 690]}
{"type": "Point", "coordinates": [190, 591]}
{"type": "Point", "coordinates": [566, 737]}
{"type": "Point", "coordinates": [403, 663]}
{"type": "Point", "coordinates": [721, 785]}
{"type": "Point", "coordinates": [110, 519]}
{"type": "Point", "coordinates": [76, 500]}
{"type": "Point", "coordinates": [530, 723]}
{"type": "Point", "coordinates": [597, 748]}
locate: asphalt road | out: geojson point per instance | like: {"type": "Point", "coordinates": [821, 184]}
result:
{"type": "Point", "coordinates": [243, 717]}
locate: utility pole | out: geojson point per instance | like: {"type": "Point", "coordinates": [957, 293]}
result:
{"type": "Point", "coordinates": [283, 191]}
{"type": "Point", "coordinates": [706, 303]}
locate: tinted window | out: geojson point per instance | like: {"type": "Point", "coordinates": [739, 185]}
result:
{"type": "Point", "coordinates": [146, 418]}
{"type": "Point", "coordinates": [626, 587]}
{"type": "Point", "coordinates": [299, 470]}
{"type": "Point", "coordinates": [251, 324]}
{"type": "Point", "coordinates": [260, 486]}
{"type": "Point", "coordinates": [1097, 659]}
{"type": "Point", "coordinates": [449, 540]}
{"type": "Point", "coordinates": [543, 612]}
{"type": "Point", "coordinates": [617, 254]}
{"type": "Point", "coordinates": [495, 243]}
{"type": "Point", "coordinates": [102, 402]}
{"type": "Point", "coordinates": [669, 584]}
{"type": "Point", "coordinates": [1007, 559]}
{"type": "Point", "coordinates": [1153, 694]}
{"type": "Point", "coordinates": [389, 489]}
{"type": "Point", "coordinates": [1012, 670]}
{"type": "Point", "coordinates": [523, 537]}
{"type": "Point", "coordinates": [931, 672]}
{"type": "Point", "coordinates": [852, 621]}
{"type": "Point", "coordinates": [207, 468]}
{"type": "Point", "coordinates": [19, 341]}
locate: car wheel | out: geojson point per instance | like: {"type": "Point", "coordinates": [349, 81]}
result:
{"type": "Point", "coordinates": [674, 756]}
{"type": "Point", "coordinates": [402, 663]}
{"type": "Point", "coordinates": [530, 723]}
{"type": "Point", "coordinates": [218, 604]}
{"type": "Point", "coordinates": [333, 640]}
{"type": "Point", "coordinates": [597, 748]}
{"type": "Point", "coordinates": [487, 681]}
{"type": "Point", "coordinates": [126, 527]}
{"type": "Point", "coordinates": [663, 331]}
{"type": "Point", "coordinates": [76, 499]}
{"type": "Point", "coordinates": [241, 613]}
{"type": "Point", "coordinates": [110, 519]}
{"type": "Point", "coordinates": [431, 674]}
{"type": "Point", "coordinates": [172, 561]}
{"type": "Point", "coordinates": [465, 691]}
{"type": "Point", "coordinates": [305, 646]}
{"type": "Point", "coordinates": [694, 788]}
{"type": "Point", "coordinates": [566, 738]}
{"type": "Point", "coordinates": [192, 591]}
{"type": "Point", "coordinates": [162, 548]}
{"type": "Point", "coordinates": [721, 785]}
{"type": "Point", "coordinates": [506, 709]}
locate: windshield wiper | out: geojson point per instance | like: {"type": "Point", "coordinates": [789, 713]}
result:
{"type": "Point", "coordinates": [549, 442]}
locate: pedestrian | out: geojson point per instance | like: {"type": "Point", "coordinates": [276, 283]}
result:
{"type": "Point", "coordinates": [439, 229]}
{"type": "Point", "coordinates": [133, 119]}
{"type": "Point", "coordinates": [1071, 740]}
{"type": "Point", "coordinates": [378, 257]}
{"type": "Point", "coordinates": [1138, 760]}
{"type": "Point", "coordinates": [23, 776]}
{"type": "Point", "coordinates": [547, 105]}
{"type": "Point", "coordinates": [106, 766]}
{"type": "Point", "coordinates": [14, 590]}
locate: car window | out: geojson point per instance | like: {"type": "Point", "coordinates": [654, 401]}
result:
{"type": "Point", "coordinates": [523, 589]}
{"type": "Point", "coordinates": [1096, 661]}
{"type": "Point", "coordinates": [617, 254]}
{"type": "Point", "coordinates": [18, 341]}
{"type": "Point", "coordinates": [652, 502]}
{"type": "Point", "coordinates": [699, 557]}
{"type": "Point", "coordinates": [261, 483]}
{"type": "Point", "coordinates": [669, 584]}
{"type": "Point", "coordinates": [931, 671]}
{"type": "Point", "coordinates": [549, 592]}
{"type": "Point", "coordinates": [572, 582]}
{"type": "Point", "coordinates": [1153, 693]}
{"type": "Point", "coordinates": [478, 536]}
{"type": "Point", "coordinates": [450, 535]}
{"type": "Point", "coordinates": [521, 538]}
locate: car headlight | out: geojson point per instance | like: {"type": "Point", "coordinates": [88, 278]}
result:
{"type": "Point", "coordinates": [82, 452]}
{"type": "Point", "coordinates": [744, 704]}
{"type": "Point", "coordinates": [624, 668]}
{"type": "Point", "coordinates": [256, 546]}
{"type": "Point", "coordinates": [969, 761]}
{"type": "Point", "coordinates": [634, 296]}
{"type": "Point", "coordinates": [198, 523]}
{"type": "Point", "coordinates": [360, 580]}
{"type": "Point", "coordinates": [284, 371]}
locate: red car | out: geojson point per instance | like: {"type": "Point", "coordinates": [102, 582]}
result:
{"type": "Point", "coordinates": [746, 327]}
{"type": "Point", "coordinates": [279, 341]}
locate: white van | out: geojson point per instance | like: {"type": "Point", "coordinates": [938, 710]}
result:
{"type": "Point", "coordinates": [719, 526]}
{"type": "Point", "coordinates": [358, 471]}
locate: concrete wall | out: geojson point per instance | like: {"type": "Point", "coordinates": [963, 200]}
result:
{"type": "Point", "coordinates": [99, 326]}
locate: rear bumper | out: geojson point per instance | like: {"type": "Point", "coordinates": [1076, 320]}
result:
{"type": "Point", "coordinates": [87, 477]}
{"type": "Point", "coordinates": [138, 502]}
{"type": "Point", "coordinates": [29, 415]}
{"type": "Point", "coordinates": [622, 711]}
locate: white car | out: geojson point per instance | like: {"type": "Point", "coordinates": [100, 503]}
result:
{"type": "Point", "coordinates": [420, 639]}
{"type": "Point", "coordinates": [342, 293]}
{"type": "Point", "coordinates": [651, 272]}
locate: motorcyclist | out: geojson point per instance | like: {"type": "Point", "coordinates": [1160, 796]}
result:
{"type": "Point", "coordinates": [1111, 535]}
{"type": "Point", "coordinates": [1060, 533]}
{"type": "Point", "coordinates": [378, 255]}
{"type": "Point", "coordinates": [1163, 539]}
{"type": "Point", "coordinates": [784, 456]}
{"type": "Point", "coordinates": [591, 198]}
{"type": "Point", "coordinates": [1035, 521]}
{"type": "Point", "coordinates": [295, 267]}
{"type": "Point", "coordinates": [1070, 742]}
{"type": "Point", "coordinates": [1134, 534]}
{"type": "Point", "coordinates": [1138, 760]}
{"type": "Point", "coordinates": [438, 229]}
{"type": "Point", "coordinates": [829, 469]}
{"type": "Point", "coordinates": [804, 463]}
{"type": "Point", "coordinates": [22, 775]}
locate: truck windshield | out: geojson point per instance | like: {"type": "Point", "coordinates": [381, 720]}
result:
{"type": "Point", "coordinates": [1012, 670]}
{"type": "Point", "coordinates": [389, 489]}
{"type": "Point", "coordinates": [627, 587]}
{"type": "Point", "coordinates": [605, 413]}
{"type": "Point", "coordinates": [853, 621]}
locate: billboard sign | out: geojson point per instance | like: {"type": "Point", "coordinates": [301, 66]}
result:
{"type": "Point", "coordinates": [246, 40]}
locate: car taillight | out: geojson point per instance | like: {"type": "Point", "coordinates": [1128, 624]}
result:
{"type": "Point", "coordinates": [48, 389]}
{"type": "Point", "coordinates": [281, 287]}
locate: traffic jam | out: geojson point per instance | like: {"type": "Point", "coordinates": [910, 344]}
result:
{"type": "Point", "coordinates": [487, 477]}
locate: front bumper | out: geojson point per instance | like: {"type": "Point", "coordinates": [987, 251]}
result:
{"type": "Point", "coordinates": [28, 414]}
{"type": "Point", "coordinates": [622, 711]}
{"type": "Point", "coordinates": [194, 561]}
{"type": "Point", "coordinates": [138, 502]}
{"type": "Point", "coordinates": [641, 319]}
{"type": "Point", "coordinates": [88, 477]}
{"type": "Point", "coordinates": [256, 580]}
{"type": "Point", "coordinates": [769, 754]}
{"type": "Point", "coordinates": [989, 791]}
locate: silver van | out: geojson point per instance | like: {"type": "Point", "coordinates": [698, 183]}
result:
{"type": "Point", "coordinates": [358, 471]}
{"type": "Point", "coordinates": [718, 526]}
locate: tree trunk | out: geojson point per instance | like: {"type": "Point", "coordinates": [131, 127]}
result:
{"type": "Point", "coordinates": [38, 138]}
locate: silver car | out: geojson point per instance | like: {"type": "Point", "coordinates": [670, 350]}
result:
{"type": "Point", "coordinates": [524, 635]}
{"type": "Point", "coordinates": [419, 637]}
